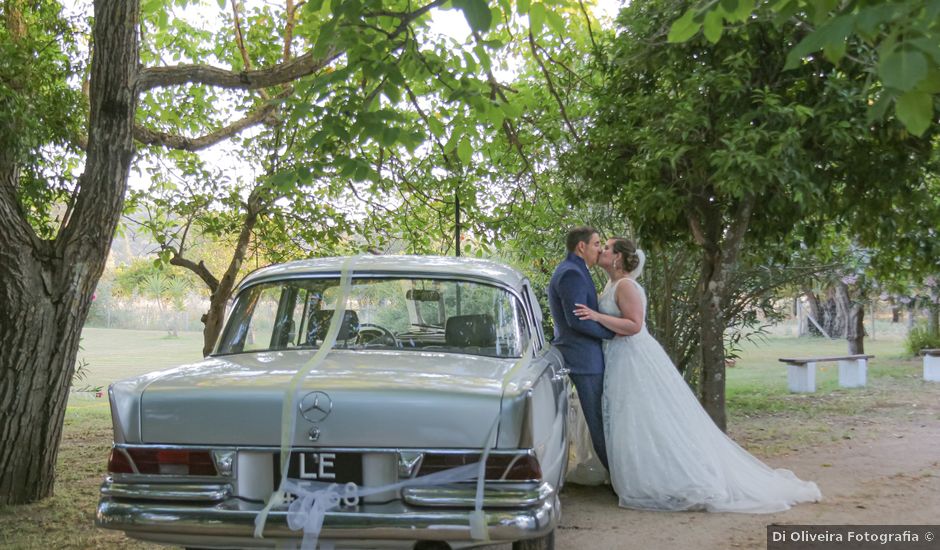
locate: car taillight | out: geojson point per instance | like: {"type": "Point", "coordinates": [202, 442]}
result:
{"type": "Point", "coordinates": [118, 463]}
{"type": "Point", "coordinates": [163, 462]}
{"type": "Point", "coordinates": [518, 467]}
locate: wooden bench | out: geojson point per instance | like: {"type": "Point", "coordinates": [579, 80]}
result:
{"type": "Point", "coordinates": [801, 373]}
{"type": "Point", "coordinates": [931, 364]}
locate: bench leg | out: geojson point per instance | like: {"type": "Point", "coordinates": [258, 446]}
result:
{"type": "Point", "coordinates": [853, 373]}
{"type": "Point", "coordinates": [932, 368]}
{"type": "Point", "coordinates": [802, 378]}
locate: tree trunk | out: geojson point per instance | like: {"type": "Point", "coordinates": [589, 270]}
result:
{"type": "Point", "coordinates": [855, 332]}
{"type": "Point", "coordinates": [853, 316]}
{"type": "Point", "coordinates": [721, 244]}
{"type": "Point", "coordinates": [212, 321]}
{"type": "Point", "coordinates": [834, 312]}
{"type": "Point", "coordinates": [711, 286]}
{"type": "Point", "coordinates": [933, 320]}
{"type": "Point", "coordinates": [812, 306]}
{"type": "Point", "coordinates": [843, 309]}
{"type": "Point", "coordinates": [39, 339]}
{"type": "Point", "coordinates": [222, 288]}
{"type": "Point", "coordinates": [47, 286]}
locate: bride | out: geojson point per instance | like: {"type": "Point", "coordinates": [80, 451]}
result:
{"type": "Point", "coordinates": [665, 452]}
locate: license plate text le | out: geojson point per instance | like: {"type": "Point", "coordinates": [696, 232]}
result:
{"type": "Point", "coordinates": [317, 466]}
{"type": "Point", "coordinates": [327, 467]}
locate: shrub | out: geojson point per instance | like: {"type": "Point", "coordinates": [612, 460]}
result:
{"type": "Point", "coordinates": [920, 338]}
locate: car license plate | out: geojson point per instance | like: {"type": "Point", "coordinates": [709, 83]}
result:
{"type": "Point", "coordinates": [320, 466]}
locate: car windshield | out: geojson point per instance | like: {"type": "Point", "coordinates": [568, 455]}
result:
{"type": "Point", "coordinates": [381, 313]}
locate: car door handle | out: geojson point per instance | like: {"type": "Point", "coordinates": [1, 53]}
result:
{"type": "Point", "coordinates": [561, 373]}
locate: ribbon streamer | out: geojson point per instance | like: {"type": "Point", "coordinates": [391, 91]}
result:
{"type": "Point", "coordinates": [288, 416]}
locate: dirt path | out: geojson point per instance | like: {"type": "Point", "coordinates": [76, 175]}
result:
{"type": "Point", "coordinates": [887, 472]}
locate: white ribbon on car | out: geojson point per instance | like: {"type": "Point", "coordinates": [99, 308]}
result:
{"type": "Point", "coordinates": [316, 498]}
{"type": "Point", "coordinates": [313, 499]}
{"type": "Point", "coordinates": [288, 414]}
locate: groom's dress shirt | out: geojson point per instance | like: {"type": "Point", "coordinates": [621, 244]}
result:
{"type": "Point", "coordinates": [579, 340]}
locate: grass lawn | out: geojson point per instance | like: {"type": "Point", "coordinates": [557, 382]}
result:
{"type": "Point", "coordinates": [758, 373]}
{"type": "Point", "coordinates": [763, 416]}
{"type": "Point", "coordinates": [769, 420]}
{"type": "Point", "coordinates": [114, 354]}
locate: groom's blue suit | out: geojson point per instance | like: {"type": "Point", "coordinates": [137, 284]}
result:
{"type": "Point", "coordinates": [580, 341]}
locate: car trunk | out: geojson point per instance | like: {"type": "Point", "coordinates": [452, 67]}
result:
{"type": "Point", "coordinates": [379, 399]}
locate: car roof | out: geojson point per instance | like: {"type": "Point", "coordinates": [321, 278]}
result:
{"type": "Point", "coordinates": [435, 266]}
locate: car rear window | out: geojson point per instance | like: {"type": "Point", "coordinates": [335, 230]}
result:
{"type": "Point", "coordinates": [456, 316]}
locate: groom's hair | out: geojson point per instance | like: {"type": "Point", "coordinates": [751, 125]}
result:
{"type": "Point", "coordinates": [580, 234]}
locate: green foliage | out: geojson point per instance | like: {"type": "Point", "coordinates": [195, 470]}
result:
{"type": "Point", "coordinates": [920, 338]}
{"type": "Point", "coordinates": [898, 40]}
{"type": "Point", "coordinates": [152, 279]}
{"type": "Point", "coordinates": [670, 277]}
{"type": "Point", "coordinates": [42, 112]}
{"type": "Point", "coordinates": [691, 128]}
{"type": "Point", "coordinates": [477, 13]}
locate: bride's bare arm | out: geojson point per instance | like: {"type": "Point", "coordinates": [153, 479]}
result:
{"type": "Point", "coordinates": [631, 310]}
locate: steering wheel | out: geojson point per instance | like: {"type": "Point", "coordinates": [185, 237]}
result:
{"type": "Point", "coordinates": [370, 333]}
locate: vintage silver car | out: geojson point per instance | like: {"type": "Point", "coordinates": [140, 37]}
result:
{"type": "Point", "coordinates": [351, 401]}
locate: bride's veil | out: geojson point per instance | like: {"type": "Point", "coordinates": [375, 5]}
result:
{"type": "Point", "coordinates": [635, 274]}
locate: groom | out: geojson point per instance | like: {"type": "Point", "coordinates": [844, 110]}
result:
{"type": "Point", "coordinates": [580, 340]}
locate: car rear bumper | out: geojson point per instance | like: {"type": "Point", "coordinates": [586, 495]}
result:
{"type": "Point", "coordinates": [232, 522]}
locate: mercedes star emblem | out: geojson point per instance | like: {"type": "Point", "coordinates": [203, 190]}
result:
{"type": "Point", "coordinates": [316, 406]}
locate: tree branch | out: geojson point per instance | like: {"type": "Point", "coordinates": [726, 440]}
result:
{"type": "Point", "coordinates": [253, 208]}
{"type": "Point", "coordinates": [587, 19]}
{"type": "Point", "coordinates": [306, 64]}
{"type": "Point", "coordinates": [406, 17]}
{"type": "Point", "coordinates": [571, 72]}
{"type": "Point", "coordinates": [174, 141]}
{"type": "Point", "coordinates": [110, 148]}
{"type": "Point", "coordinates": [240, 40]}
{"type": "Point", "coordinates": [695, 225]}
{"type": "Point", "coordinates": [288, 71]}
{"type": "Point", "coordinates": [739, 225]}
{"type": "Point", "coordinates": [551, 87]}
{"type": "Point", "coordinates": [14, 229]}
{"type": "Point", "coordinates": [199, 269]}
{"type": "Point", "coordinates": [414, 101]}
{"type": "Point", "coordinates": [513, 136]}
{"type": "Point", "coordinates": [290, 16]}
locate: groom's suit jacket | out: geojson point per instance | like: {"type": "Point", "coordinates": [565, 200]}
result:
{"type": "Point", "coordinates": [578, 340]}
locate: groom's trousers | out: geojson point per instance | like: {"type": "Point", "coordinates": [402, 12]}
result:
{"type": "Point", "coordinates": [590, 392]}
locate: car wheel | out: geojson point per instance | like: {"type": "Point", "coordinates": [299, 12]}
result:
{"type": "Point", "coordinates": [545, 542]}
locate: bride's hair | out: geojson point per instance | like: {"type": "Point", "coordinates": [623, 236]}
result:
{"type": "Point", "coordinates": [630, 260]}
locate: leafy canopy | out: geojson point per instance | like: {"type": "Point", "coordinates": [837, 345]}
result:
{"type": "Point", "coordinates": [898, 40]}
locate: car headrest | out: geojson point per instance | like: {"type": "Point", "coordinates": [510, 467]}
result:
{"type": "Point", "coordinates": [470, 330]}
{"type": "Point", "coordinates": [320, 324]}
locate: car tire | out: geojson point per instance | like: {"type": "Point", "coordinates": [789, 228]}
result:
{"type": "Point", "coordinates": [545, 542]}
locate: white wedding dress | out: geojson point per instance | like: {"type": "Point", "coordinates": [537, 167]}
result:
{"type": "Point", "coordinates": [665, 452]}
